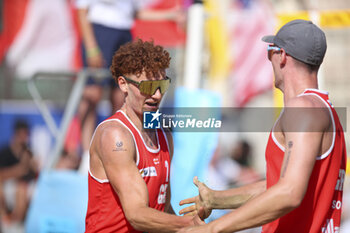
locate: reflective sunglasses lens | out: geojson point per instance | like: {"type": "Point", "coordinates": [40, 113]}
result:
{"type": "Point", "coordinates": [164, 85]}
{"type": "Point", "coordinates": [272, 49]}
{"type": "Point", "coordinates": [155, 85]}
{"type": "Point", "coordinates": [150, 87]}
{"type": "Point", "coordinates": [146, 87]}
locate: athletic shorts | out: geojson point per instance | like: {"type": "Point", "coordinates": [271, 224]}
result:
{"type": "Point", "coordinates": [109, 40]}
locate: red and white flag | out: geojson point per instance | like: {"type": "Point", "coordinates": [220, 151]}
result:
{"type": "Point", "coordinates": [46, 39]}
{"type": "Point", "coordinates": [251, 72]}
{"type": "Point", "coordinates": [163, 32]}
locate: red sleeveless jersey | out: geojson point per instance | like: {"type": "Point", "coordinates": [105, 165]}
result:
{"type": "Point", "coordinates": [320, 210]}
{"type": "Point", "coordinates": [105, 213]}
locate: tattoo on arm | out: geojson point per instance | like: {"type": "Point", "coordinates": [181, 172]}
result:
{"type": "Point", "coordinates": [290, 145]}
{"type": "Point", "coordinates": [119, 146]}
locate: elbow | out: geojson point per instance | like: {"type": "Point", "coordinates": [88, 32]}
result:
{"type": "Point", "coordinates": [135, 220]}
{"type": "Point", "coordinates": [293, 197]}
{"type": "Point", "coordinates": [294, 201]}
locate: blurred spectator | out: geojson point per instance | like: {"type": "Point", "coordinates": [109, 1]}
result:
{"type": "Point", "coordinates": [233, 169]}
{"type": "Point", "coordinates": [105, 26]}
{"type": "Point", "coordinates": [242, 154]}
{"type": "Point", "coordinates": [230, 170]}
{"type": "Point", "coordinates": [68, 161]}
{"type": "Point", "coordinates": [17, 169]}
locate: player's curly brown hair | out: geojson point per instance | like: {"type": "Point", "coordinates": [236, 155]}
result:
{"type": "Point", "coordinates": [138, 56]}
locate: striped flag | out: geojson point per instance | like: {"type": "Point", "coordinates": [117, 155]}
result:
{"type": "Point", "coordinates": [45, 40]}
{"type": "Point", "coordinates": [251, 71]}
{"type": "Point", "coordinates": [13, 12]}
{"type": "Point", "coordinates": [163, 32]}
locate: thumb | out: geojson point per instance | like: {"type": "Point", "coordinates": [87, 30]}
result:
{"type": "Point", "coordinates": [196, 181]}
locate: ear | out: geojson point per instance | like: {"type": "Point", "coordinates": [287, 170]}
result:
{"type": "Point", "coordinates": [283, 57]}
{"type": "Point", "coordinates": [123, 85]}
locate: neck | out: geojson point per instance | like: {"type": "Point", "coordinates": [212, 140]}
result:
{"type": "Point", "coordinates": [137, 120]}
{"type": "Point", "coordinates": [296, 84]}
{"type": "Point", "coordinates": [294, 92]}
{"type": "Point", "coordinates": [149, 136]}
{"type": "Point", "coordinates": [133, 116]}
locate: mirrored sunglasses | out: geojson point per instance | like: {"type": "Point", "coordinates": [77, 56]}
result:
{"type": "Point", "coordinates": [271, 49]}
{"type": "Point", "coordinates": [149, 87]}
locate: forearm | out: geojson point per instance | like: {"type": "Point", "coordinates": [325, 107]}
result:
{"type": "Point", "coordinates": [155, 15]}
{"type": "Point", "coordinates": [264, 208]}
{"type": "Point", "coordinates": [175, 14]}
{"type": "Point", "coordinates": [234, 198]}
{"type": "Point", "coordinates": [150, 220]}
{"type": "Point", "coordinates": [87, 30]}
{"type": "Point", "coordinates": [15, 171]}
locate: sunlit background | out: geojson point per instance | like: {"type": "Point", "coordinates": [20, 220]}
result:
{"type": "Point", "coordinates": [218, 60]}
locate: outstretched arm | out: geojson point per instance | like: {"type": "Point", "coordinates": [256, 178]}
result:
{"type": "Point", "coordinates": [176, 14]}
{"type": "Point", "coordinates": [302, 147]}
{"type": "Point", "coordinates": [209, 199]}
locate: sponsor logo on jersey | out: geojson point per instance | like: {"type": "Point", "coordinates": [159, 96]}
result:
{"type": "Point", "coordinates": [148, 171]}
{"type": "Point", "coordinates": [340, 181]}
{"type": "Point", "coordinates": [329, 227]}
{"type": "Point", "coordinates": [156, 161]}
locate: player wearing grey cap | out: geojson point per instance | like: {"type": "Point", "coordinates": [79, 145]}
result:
{"type": "Point", "coordinates": [305, 153]}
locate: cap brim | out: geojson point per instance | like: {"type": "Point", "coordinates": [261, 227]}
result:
{"type": "Point", "coordinates": [268, 39]}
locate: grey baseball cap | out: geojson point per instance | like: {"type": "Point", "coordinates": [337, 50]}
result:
{"type": "Point", "coordinates": [302, 40]}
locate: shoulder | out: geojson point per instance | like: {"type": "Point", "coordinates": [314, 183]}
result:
{"type": "Point", "coordinates": [113, 127]}
{"type": "Point", "coordinates": [112, 132]}
{"type": "Point", "coordinates": [307, 101]}
{"type": "Point", "coordinates": [306, 113]}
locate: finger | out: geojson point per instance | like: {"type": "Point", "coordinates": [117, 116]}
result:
{"type": "Point", "coordinates": [188, 201]}
{"type": "Point", "coordinates": [191, 214]}
{"type": "Point", "coordinates": [187, 209]}
{"type": "Point", "coordinates": [201, 213]}
{"type": "Point", "coordinates": [198, 220]}
{"type": "Point", "coordinates": [196, 181]}
{"type": "Point", "coordinates": [201, 222]}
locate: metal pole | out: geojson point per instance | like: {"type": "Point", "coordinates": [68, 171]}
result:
{"type": "Point", "coordinates": [194, 46]}
{"type": "Point", "coordinates": [59, 132]}
{"type": "Point", "coordinates": [43, 109]}
{"type": "Point", "coordinates": [71, 108]}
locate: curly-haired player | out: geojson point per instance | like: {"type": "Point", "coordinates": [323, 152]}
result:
{"type": "Point", "coordinates": [129, 167]}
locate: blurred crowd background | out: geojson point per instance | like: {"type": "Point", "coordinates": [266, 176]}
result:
{"type": "Point", "coordinates": [43, 184]}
